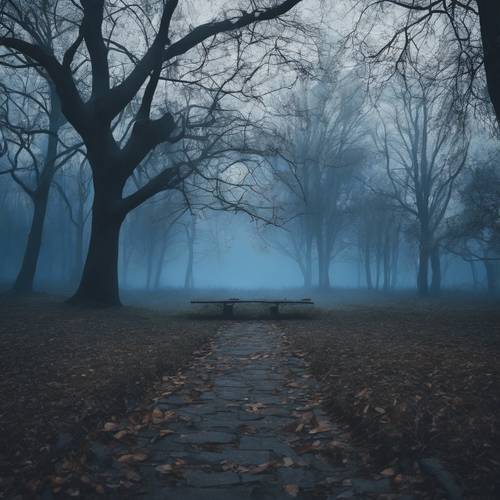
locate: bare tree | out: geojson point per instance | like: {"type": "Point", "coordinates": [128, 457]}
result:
{"type": "Point", "coordinates": [474, 233]}
{"type": "Point", "coordinates": [141, 75]}
{"type": "Point", "coordinates": [320, 145]}
{"type": "Point", "coordinates": [378, 225]}
{"type": "Point", "coordinates": [31, 125]}
{"type": "Point", "coordinates": [424, 155]}
{"type": "Point", "coordinates": [409, 33]}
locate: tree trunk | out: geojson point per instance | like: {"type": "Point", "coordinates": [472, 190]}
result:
{"type": "Point", "coordinates": [387, 259]}
{"type": "Point", "coordinates": [191, 237]}
{"type": "Point", "coordinates": [436, 271]}
{"type": "Point", "coordinates": [378, 258]}
{"type": "Point", "coordinates": [26, 276]}
{"type": "Point", "coordinates": [423, 270]}
{"type": "Point", "coordinates": [368, 271]}
{"type": "Point", "coordinates": [308, 265]}
{"type": "Point", "coordinates": [323, 266]}
{"type": "Point", "coordinates": [99, 283]}
{"type": "Point", "coordinates": [150, 260]}
{"type": "Point", "coordinates": [78, 255]}
{"type": "Point", "coordinates": [161, 259]}
{"type": "Point", "coordinates": [395, 258]}
{"type": "Point", "coordinates": [489, 17]}
{"type": "Point", "coordinates": [473, 270]}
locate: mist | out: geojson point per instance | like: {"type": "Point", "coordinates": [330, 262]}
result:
{"type": "Point", "coordinates": [249, 249]}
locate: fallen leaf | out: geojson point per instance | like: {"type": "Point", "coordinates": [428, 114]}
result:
{"type": "Point", "coordinates": [260, 468]}
{"type": "Point", "coordinates": [166, 432]}
{"type": "Point", "coordinates": [120, 434]}
{"type": "Point", "coordinates": [164, 468]}
{"type": "Point", "coordinates": [287, 462]}
{"type": "Point", "coordinates": [110, 426]}
{"type": "Point", "coordinates": [291, 489]}
{"type": "Point", "coordinates": [363, 393]}
{"type": "Point", "coordinates": [322, 427]}
{"type": "Point", "coordinates": [388, 472]}
{"type": "Point", "coordinates": [157, 416]}
{"type": "Point", "coordinates": [132, 457]}
{"type": "Point", "coordinates": [254, 407]}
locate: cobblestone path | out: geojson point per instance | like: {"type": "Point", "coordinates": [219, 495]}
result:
{"type": "Point", "coordinates": [247, 424]}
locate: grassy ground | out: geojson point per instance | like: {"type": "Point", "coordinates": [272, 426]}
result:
{"type": "Point", "coordinates": [65, 371]}
{"type": "Point", "coordinates": [415, 379]}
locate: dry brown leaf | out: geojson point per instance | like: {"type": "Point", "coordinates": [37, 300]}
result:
{"type": "Point", "coordinates": [157, 416]}
{"type": "Point", "coordinates": [166, 432]}
{"type": "Point", "coordinates": [254, 407]}
{"type": "Point", "coordinates": [291, 489]}
{"type": "Point", "coordinates": [299, 428]}
{"type": "Point", "coordinates": [260, 468]}
{"type": "Point", "coordinates": [120, 434]}
{"type": "Point", "coordinates": [322, 427]}
{"type": "Point", "coordinates": [363, 393]}
{"type": "Point", "coordinates": [388, 472]}
{"type": "Point", "coordinates": [110, 426]}
{"type": "Point", "coordinates": [164, 468]}
{"type": "Point", "coordinates": [132, 457]}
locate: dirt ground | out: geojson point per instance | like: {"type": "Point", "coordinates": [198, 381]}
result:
{"type": "Point", "coordinates": [415, 379]}
{"type": "Point", "coordinates": [64, 371]}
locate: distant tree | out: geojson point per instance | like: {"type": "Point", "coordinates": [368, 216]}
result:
{"type": "Point", "coordinates": [320, 144]}
{"type": "Point", "coordinates": [474, 233]}
{"type": "Point", "coordinates": [74, 186]}
{"type": "Point", "coordinates": [129, 89]}
{"type": "Point", "coordinates": [425, 150]}
{"type": "Point", "coordinates": [379, 231]}
{"type": "Point", "coordinates": [190, 229]}
{"type": "Point", "coordinates": [31, 124]}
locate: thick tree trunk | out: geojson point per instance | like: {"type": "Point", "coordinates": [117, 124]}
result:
{"type": "Point", "coordinates": [99, 283]}
{"type": "Point", "coordinates": [78, 255]}
{"type": "Point", "coordinates": [26, 276]}
{"type": "Point", "coordinates": [489, 17]}
{"type": "Point", "coordinates": [436, 271]}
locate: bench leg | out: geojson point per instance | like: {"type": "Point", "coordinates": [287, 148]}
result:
{"type": "Point", "coordinates": [275, 311]}
{"type": "Point", "coordinates": [227, 310]}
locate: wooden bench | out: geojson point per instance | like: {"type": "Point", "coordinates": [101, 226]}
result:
{"type": "Point", "coordinates": [274, 305]}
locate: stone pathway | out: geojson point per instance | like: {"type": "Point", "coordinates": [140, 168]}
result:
{"type": "Point", "coordinates": [247, 424]}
